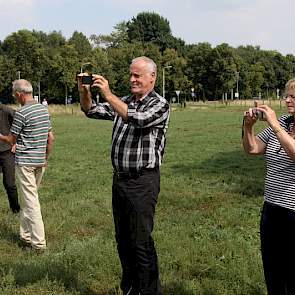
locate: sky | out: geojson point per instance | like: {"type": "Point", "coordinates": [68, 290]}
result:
{"type": "Point", "coordinates": [266, 23]}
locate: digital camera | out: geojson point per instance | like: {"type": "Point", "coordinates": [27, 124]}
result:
{"type": "Point", "coordinates": [258, 114]}
{"type": "Point", "coordinates": [87, 80]}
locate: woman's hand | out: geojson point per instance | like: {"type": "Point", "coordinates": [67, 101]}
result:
{"type": "Point", "coordinates": [249, 118]}
{"type": "Point", "coordinates": [269, 115]}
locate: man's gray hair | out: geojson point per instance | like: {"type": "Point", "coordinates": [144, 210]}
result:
{"type": "Point", "coordinates": [150, 63]}
{"type": "Point", "coordinates": [22, 86]}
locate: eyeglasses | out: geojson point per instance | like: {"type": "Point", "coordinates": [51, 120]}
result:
{"type": "Point", "coordinates": [289, 96]}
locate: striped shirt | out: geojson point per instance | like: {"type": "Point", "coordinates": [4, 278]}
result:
{"type": "Point", "coordinates": [138, 143]}
{"type": "Point", "coordinates": [280, 174]}
{"type": "Point", "coordinates": [31, 125]}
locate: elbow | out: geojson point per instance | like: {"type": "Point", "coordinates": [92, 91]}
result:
{"type": "Point", "coordinates": [254, 152]}
{"type": "Point", "coordinates": [85, 110]}
{"type": "Point", "coordinates": [250, 150]}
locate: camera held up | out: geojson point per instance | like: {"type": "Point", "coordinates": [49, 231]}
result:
{"type": "Point", "coordinates": [258, 114]}
{"type": "Point", "coordinates": [88, 69]}
{"type": "Point", "coordinates": [87, 80]}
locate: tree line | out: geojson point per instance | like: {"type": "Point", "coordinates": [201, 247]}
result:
{"type": "Point", "coordinates": [199, 71]}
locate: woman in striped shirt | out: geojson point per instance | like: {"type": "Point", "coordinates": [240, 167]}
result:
{"type": "Point", "coordinates": [277, 225]}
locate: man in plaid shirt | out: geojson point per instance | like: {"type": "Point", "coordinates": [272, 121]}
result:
{"type": "Point", "coordinates": [138, 142]}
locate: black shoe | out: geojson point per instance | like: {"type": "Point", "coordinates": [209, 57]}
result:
{"type": "Point", "coordinates": [24, 245]}
{"type": "Point", "coordinates": [38, 251]}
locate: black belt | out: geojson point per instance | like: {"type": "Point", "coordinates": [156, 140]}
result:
{"type": "Point", "coordinates": [134, 174]}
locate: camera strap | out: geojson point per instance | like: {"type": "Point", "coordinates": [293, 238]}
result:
{"type": "Point", "coordinates": [243, 125]}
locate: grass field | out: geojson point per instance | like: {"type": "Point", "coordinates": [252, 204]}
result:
{"type": "Point", "coordinates": [207, 219]}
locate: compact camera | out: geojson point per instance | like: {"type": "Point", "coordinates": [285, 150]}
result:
{"type": "Point", "coordinates": [258, 114]}
{"type": "Point", "coordinates": [87, 80]}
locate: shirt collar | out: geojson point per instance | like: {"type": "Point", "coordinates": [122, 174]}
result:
{"type": "Point", "coordinates": [143, 100]}
{"type": "Point", "coordinates": [289, 120]}
{"type": "Point", "coordinates": [30, 102]}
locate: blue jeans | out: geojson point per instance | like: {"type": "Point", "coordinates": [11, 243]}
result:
{"type": "Point", "coordinates": [277, 234]}
{"type": "Point", "coordinates": [134, 202]}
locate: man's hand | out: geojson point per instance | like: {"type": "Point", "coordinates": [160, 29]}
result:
{"type": "Point", "coordinates": [13, 148]}
{"type": "Point", "coordinates": [103, 84]}
{"type": "Point", "coordinates": [82, 87]}
{"type": "Point", "coordinates": [84, 93]}
{"type": "Point", "coordinates": [10, 139]}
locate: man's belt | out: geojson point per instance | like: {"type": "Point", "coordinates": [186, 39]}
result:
{"type": "Point", "coordinates": [133, 174]}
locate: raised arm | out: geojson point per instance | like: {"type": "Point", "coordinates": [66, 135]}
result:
{"type": "Point", "coordinates": [287, 142]}
{"type": "Point", "coordinates": [85, 94]}
{"type": "Point", "coordinates": [118, 105]}
{"type": "Point", "coordinates": [251, 143]}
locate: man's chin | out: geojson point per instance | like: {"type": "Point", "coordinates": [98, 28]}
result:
{"type": "Point", "coordinates": [135, 91]}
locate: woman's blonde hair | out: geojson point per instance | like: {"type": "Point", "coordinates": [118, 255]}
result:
{"type": "Point", "coordinates": [290, 85]}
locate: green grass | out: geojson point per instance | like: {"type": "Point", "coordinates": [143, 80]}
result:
{"type": "Point", "coordinates": [207, 219]}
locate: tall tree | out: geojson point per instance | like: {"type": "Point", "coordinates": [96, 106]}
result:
{"type": "Point", "coordinates": [176, 78]}
{"type": "Point", "coordinates": [81, 44]}
{"type": "Point", "coordinates": [117, 38]}
{"type": "Point", "coordinates": [62, 73]}
{"type": "Point", "coordinates": [27, 53]}
{"type": "Point", "coordinates": [223, 70]}
{"type": "Point", "coordinates": [198, 59]}
{"type": "Point", "coordinates": [151, 27]}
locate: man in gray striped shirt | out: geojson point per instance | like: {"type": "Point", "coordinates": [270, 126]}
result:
{"type": "Point", "coordinates": [138, 142]}
{"type": "Point", "coordinates": [31, 131]}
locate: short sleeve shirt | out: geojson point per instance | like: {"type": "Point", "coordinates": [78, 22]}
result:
{"type": "Point", "coordinates": [280, 174]}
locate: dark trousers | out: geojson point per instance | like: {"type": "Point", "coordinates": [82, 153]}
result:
{"type": "Point", "coordinates": [8, 169]}
{"type": "Point", "coordinates": [134, 202]}
{"type": "Point", "coordinates": [277, 233]}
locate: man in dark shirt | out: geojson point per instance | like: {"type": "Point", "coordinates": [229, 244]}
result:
{"type": "Point", "coordinates": [138, 142]}
{"type": "Point", "coordinates": [7, 158]}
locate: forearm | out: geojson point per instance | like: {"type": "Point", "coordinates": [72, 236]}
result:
{"type": "Point", "coordinates": [10, 139]}
{"type": "Point", "coordinates": [85, 99]}
{"type": "Point", "coordinates": [250, 143]}
{"type": "Point", "coordinates": [49, 144]}
{"type": "Point", "coordinates": [156, 115]}
{"type": "Point", "coordinates": [115, 102]}
{"type": "Point", "coordinates": [118, 105]}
